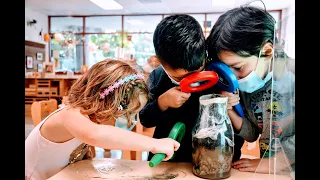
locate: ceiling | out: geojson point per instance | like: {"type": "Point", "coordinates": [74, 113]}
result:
{"type": "Point", "coordinates": [86, 7]}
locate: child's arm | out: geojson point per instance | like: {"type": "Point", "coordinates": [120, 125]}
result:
{"type": "Point", "coordinates": [263, 165]}
{"type": "Point", "coordinates": [155, 110]}
{"type": "Point", "coordinates": [242, 126]}
{"type": "Point", "coordinates": [109, 137]}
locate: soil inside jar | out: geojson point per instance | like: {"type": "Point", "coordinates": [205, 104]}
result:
{"type": "Point", "coordinates": [210, 161]}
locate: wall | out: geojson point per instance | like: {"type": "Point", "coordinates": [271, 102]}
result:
{"type": "Point", "coordinates": [32, 32]}
{"type": "Point", "coordinates": [31, 49]}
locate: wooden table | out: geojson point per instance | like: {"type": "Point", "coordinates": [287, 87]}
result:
{"type": "Point", "coordinates": [114, 169]}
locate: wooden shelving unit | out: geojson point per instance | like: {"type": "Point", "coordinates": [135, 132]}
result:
{"type": "Point", "coordinates": [37, 89]}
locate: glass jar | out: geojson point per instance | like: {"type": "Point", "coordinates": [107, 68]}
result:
{"type": "Point", "coordinates": [212, 139]}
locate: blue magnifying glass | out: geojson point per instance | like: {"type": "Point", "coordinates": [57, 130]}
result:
{"type": "Point", "coordinates": [227, 81]}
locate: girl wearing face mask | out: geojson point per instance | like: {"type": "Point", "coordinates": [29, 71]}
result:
{"type": "Point", "coordinates": [243, 38]}
{"type": "Point", "coordinates": [109, 94]}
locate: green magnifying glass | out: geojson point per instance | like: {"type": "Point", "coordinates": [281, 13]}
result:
{"type": "Point", "coordinates": [176, 133]}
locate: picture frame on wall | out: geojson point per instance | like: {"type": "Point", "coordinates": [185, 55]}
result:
{"type": "Point", "coordinates": [40, 67]}
{"type": "Point", "coordinates": [48, 68]}
{"type": "Point", "coordinates": [29, 62]}
{"type": "Point", "coordinates": [39, 56]}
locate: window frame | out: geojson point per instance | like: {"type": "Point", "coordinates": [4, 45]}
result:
{"type": "Point", "coordinates": [83, 33]}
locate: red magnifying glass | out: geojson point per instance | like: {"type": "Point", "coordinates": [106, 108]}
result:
{"type": "Point", "coordinates": [199, 81]}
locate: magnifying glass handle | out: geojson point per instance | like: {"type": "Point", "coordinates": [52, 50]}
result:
{"type": "Point", "coordinates": [226, 74]}
{"type": "Point", "coordinates": [238, 109]}
{"type": "Point", "coordinates": [156, 159]}
{"type": "Point", "coordinates": [176, 133]}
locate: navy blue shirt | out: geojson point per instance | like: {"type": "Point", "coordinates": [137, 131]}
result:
{"type": "Point", "coordinates": [152, 116]}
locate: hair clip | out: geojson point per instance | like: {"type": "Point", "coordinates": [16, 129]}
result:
{"type": "Point", "coordinates": [111, 88]}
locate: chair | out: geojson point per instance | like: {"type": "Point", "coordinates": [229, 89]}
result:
{"type": "Point", "coordinates": [40, 109]}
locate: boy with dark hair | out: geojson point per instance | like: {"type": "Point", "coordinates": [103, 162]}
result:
{"type": "Point", "coordinates": [180, 48]}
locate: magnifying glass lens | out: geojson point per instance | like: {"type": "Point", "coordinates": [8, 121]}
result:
{"type": "Point", "coordinates": [199, 83]}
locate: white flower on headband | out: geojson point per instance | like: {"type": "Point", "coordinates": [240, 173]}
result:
{"type": "Point", "coordinates": [109, 89]}
{"type": "Point", "coordinates": [120, 108]}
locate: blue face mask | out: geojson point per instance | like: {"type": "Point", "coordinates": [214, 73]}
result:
{"type": "Point", "coordinates": [121, 122]}
{"type": "Point", "coordinates": [253, 81]}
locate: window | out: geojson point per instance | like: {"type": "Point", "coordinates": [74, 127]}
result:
{"type": "Point", "coordinates": [140, 46]}
{"type": "Point", "coordinates": [69, 52]}
{"type": "Point", "coordinates": [102, 46]}
{"type": "Point", "coordinates": [103, 24]}
{"type": "Point", "coordinates": [103, 38]}
{"type": "Point", "coordinates": [113, 37]}
{"type": "Point", "coordinates": [138, 40]}
{"type": "Point", "coordinates": [141, 23]}
{"type": "Point", "coordinates": [61, 24]}
{"type": "Point", "coordinates": [69, 48]}
{"type": "Point", "coordinates": [276, 16]}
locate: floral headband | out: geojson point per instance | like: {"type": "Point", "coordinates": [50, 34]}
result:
{"type": "Point", "coordinates": [118, 83]}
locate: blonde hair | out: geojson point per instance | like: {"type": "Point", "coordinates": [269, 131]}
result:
{"type": "Point", "coordinates": [85, 92]}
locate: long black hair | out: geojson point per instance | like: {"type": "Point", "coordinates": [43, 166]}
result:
{"type": "Point", "coordinates": [243, 30]}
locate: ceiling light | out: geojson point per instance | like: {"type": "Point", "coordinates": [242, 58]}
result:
{"type": "Point", "coordinates": [223, 3]}
{"type": "Point", "coordinates": [107, 4]}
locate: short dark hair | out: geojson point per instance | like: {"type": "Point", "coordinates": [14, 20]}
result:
{"type": "Point", "coordinates": [242, 30]}
{"type": "Point", "coordinates": [179, 42]}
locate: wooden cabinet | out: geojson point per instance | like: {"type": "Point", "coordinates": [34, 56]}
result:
{"type": "Point", "coordinates": [37, 89]}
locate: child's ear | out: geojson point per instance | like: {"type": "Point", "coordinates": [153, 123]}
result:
{"type": "Point", "coordinates": [267, 50]}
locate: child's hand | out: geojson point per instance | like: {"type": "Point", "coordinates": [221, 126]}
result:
{"type": "Point", "coordinates": [166, 146]}
{"type": "Point", "coordinates": [249, 165]}
{"type": "Point", "coordinates": [173, 98]}
{"type": "Point", "coordinates": [233, 99]}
